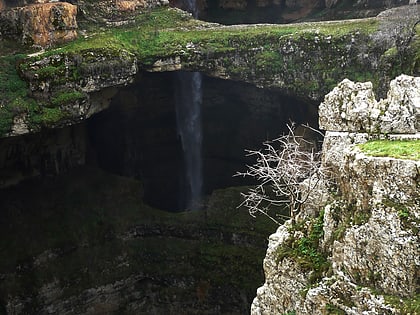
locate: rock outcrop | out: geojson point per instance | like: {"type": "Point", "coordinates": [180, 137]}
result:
{"type": "Point", "coordinates": [301, 60]}
{"type": "Point", "coordinates": [367, 254]}
{"type": "Point", "coordinates": [115, 13]}
{"type": "Point", "coordinates": [352, 107]}
{"type": "Point", "coordinates": [40, 24]}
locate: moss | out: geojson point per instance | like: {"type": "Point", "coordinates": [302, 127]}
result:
{"type": "Point", "coordinates": [50, 71]}
{"type": "Point", "coordinates": [305, 250]}
{"type": "Point", "coordinates": [409, 305]}
{"type": "Point", "coordinates": [14, 93]}
{"type": "Point", "coordinates": [166, 32]}
{"type": "Point", "coordinates": [46, 117]}
{"type": "Point", "coordinates": [401, 149]}
{"type": "Point", "coordinates": [269, 62]}
{"type": "Point", "coordinates": [67, 97]}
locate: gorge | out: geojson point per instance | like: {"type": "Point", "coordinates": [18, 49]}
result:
{"type": "Point", "coordinates": [91, 165]}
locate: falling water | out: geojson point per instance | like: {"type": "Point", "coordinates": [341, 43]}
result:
{"type": "Point", "coordinates": [188, 112]}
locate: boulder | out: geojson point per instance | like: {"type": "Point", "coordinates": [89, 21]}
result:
{"type": "Point", "coordinates": [40, 24]}
{"type": "Point", "coordinates": [352, 107]}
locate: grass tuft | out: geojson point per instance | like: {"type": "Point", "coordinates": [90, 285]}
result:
{"type": "Point", "coordinates": [399, 149]}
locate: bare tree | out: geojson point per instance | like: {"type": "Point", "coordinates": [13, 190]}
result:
{"type": "Point", "coordinates": [280, 168]}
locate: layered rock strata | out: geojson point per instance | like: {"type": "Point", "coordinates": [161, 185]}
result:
{"type": "Point", "coordinates": [40, 24]}
{"type": "Point", "coordinates": [304, 63]}
{"type": "Point", "coordinates": [367, 253]}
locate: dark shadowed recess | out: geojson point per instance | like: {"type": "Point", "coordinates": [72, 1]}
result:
{"type": "Point", "coordinates": [137, 135]}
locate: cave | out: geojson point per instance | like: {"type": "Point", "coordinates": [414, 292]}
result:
{"type": "Point", "coordinates": [96, 210]}
{"type": "Point", "coordinates": [137, 136]}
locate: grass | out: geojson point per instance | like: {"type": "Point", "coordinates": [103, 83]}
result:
{"type": "Point", "coordinates": [405, 305]}
{"type": "Point", "coordinates": [399, 149]}
{"type": "Point", "coordinates": [165, 31]}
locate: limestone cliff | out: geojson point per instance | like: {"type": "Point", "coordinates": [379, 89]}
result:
{"type": "Point", "coordinates": [302, 60]}
{"type": "Point", "coordinates": [40, 24]}
{"type": "Point", "coordinates": [357, 252]}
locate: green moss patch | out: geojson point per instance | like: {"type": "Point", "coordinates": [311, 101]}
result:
{"type": "Point", "coordinates": [404, 305]}
{"type": "Point", "coordinates": [14, 98]}
{"type": "Point", "coordinates": [400, 149]}
{"type": "Point", "coordinates": [305, 250]}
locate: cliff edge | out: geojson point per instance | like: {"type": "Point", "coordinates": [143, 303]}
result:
{"type": "Point", "coordinates": [356, 251]}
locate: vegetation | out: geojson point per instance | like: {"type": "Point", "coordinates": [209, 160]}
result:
{"type": "Point", "coordinates": [333, 310]}
{"type": "Point", "coordinates": [166, 32]}
{"type": "Point", "coordinates": [67, 97]}
{"type": "Point", "coordinates": [404, 305]}
{"type": "Point", "coordinates": [305, 250]}
{"type": "Point", "coordinates": [13, 91]}
{"type": "Point", "coordinates": [15, 100]}
{"type": "Point", "coordinates": [400, 149]}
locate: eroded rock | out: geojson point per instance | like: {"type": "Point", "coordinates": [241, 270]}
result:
{"type": "Point", "coordinates": [370, 220]}
{"type": "Point", "coordinates": [40, 24]}
{"type": "Point", "coordinates": [349, 107]}
{"type": "Point", "coordinates": [352, 107]}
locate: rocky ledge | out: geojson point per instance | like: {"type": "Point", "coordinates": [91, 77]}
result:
{"type": "Point", "coordinates": [357, 250]}
{"type": "Point", "coordinates": [302, 60]}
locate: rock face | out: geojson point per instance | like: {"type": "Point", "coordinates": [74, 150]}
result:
{"type": "Point", "coordinates": [45, 154]}
{"type": "Point", "coordinates": [118, 12]}
{"type": "Point", "coordinates": [40, 24]}
{"type": "Point", "coordinates": [370, 223]}
{"type": "Point", "coordinates": [304, 64]}
{"type": "Point", "coordinates": [352, 107]}
{"type": "Point", "coordinates": [300, 60]}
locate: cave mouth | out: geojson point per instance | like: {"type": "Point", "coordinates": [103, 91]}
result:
{"type": "Point", "coordinates": [137, 136]}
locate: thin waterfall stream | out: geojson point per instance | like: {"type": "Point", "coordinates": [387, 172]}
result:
{"type": "Point", "coordinates": [188, 113]}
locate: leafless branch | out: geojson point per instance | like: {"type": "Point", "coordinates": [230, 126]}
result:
{"type": "Point", "coordinates": [281, 166]}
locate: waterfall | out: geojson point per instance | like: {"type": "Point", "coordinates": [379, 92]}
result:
{"type": "Point", "coordinates": [191, 7]}
{"type": "Point", "coordinates": [188, 113]}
